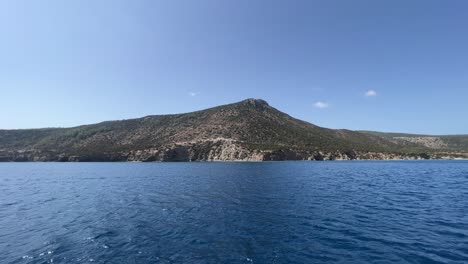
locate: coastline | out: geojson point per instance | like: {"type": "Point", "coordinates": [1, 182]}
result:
{"type": "Point", "coordinates": [233, 161]}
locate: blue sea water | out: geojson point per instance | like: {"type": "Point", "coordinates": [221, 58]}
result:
{"type": "Point", "coordinates": [271, 212]}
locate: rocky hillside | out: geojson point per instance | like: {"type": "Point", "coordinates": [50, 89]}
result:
{"type": "Point", "coordinates": [447, 143]}
{"type": "Point", "coordinates": [247, 130]}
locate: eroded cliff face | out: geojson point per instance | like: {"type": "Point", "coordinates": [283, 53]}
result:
{"type": "Point", "coordinates": [216, 150]}
{"type": "Point", "coordinates": [213, 150]}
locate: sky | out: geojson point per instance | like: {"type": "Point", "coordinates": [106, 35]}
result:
{"type": "Point", "coordinates": [397, 65]}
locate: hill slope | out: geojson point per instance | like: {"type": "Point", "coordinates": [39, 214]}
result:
{"type": "Point", "coordinates": [437, 142]}
{"type": "Point", "coordinates": [247, 130]}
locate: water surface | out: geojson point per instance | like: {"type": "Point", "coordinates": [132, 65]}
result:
{"type": "Point", "coordinates": [272, 212]}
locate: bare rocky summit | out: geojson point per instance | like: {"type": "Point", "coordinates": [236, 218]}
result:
{"type": "Point", "coordinates": [250, 130]}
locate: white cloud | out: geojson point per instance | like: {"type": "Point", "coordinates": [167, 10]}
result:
{"type": "Point", "coordinates": [321, 104]}
{"type": "Point", "coordinates": [371, 93]}
{"type": "Point", "coordinates": [193, 94]}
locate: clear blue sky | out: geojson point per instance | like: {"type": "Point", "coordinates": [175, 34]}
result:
{"type": "Point", "coordinates": [66, 63]}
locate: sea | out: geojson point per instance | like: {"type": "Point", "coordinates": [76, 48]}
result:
{"type": "Point", "coordinates": [235, 212]}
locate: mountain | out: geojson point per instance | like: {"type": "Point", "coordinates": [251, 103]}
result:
{"type": "Point", "coordinates": [247, 130]}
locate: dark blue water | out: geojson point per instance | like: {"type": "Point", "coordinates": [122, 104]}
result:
{"type": "Point", "coordinates": [278, 212]}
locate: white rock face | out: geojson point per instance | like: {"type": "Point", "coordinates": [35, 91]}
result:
{"type": "Point", "coordinates": [430, 142]}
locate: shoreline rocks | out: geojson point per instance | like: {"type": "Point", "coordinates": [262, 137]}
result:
{"type": "Point", "coordinates": [216, 150]}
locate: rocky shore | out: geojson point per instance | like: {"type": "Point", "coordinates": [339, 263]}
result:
{"type": "Point", "coordinates": [219, 150]}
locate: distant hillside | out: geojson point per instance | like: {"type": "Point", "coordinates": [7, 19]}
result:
{"type": "Point", "coordinates": [247, 130]}
{"type": "Point", "coordinates": [440, 143]}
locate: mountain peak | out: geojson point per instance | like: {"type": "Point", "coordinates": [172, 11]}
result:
{"type": "Point", "coordinates": [258, 103]}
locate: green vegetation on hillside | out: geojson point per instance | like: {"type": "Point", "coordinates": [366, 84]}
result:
{"type": "Point", "coordinates": [447, 142]}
